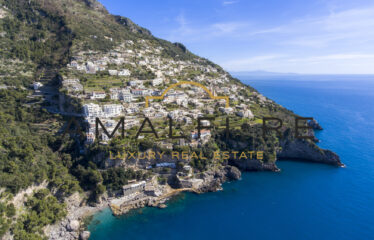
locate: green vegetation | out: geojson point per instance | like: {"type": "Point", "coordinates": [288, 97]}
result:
{"type": "Point", "coordinates": [6, 213]}
{"type": "Point", "coordinates": [115, 178]}
{"type": "Point", "coordinates": [26, 155]}
{"type": "Point", "coordinates": [43, 39]}
{"type": "Point", "coordinates": [43, 209]}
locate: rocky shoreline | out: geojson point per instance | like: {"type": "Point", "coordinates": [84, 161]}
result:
{"type": "Point", "coordinates": [72, 227]}
{"type": "Point", "coordinates": [304, 150]}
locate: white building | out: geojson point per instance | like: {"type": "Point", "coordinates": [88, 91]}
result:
{"type": "Point", "coordinates": [133, 188]}
{"type": "Point", "coordinates": [124, 72]}
{"type": "Point", "coordinates": [91, 68]}
{"type": "Point", "coordinates": [228, 110]}
{"type": "Point", "coordinates": [98, 95]}
{"type": "Point", "coordinates": [187, 120]}
{"type": "Point", "coordinates": [137, 92]}
{"type": "Point", "coordinates": [113, 72]}
{"type": "Point", "coordinates": [74, 64]}
{"type": "Point", "coordinates": [245, 114]}
{"type": "Point", "coordinates": [90, 138]}
{"type": "Point", "coordinates": [112, 110]}
{"type": "Point", "coordinates": [182, 102]}
{"type": "Point", "coordinates": [205, 123]}
{"type": "Point", "coordinates": [92, 110]}
{"type": "Point", "coordinates": [165, 164]}
{"type": "Point", "coordinates": [203, 134]}
{"type": "Point", "coordinates": [114, 95]}
{"type": "Point", "coordinates": [37, 85]}
{"type": "Point", "coordinates": [134, 83]}
{"type": "Point", "coordinates": [126, 97]}
{"type": "Point", "coordinates": [157, 81]}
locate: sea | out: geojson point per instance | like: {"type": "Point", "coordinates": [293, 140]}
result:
{"type": "Point", "coordinates": [303, 201]}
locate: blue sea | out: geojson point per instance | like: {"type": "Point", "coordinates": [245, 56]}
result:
{"type": "Point", "coordinates": [303, 201]}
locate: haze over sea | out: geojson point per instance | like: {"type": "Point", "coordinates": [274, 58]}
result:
{"type": "Point", "coordinates": [304, 200]}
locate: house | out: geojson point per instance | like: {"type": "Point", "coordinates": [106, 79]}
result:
{"type": "Point", "coordinates": [37, 85]}
{"type": "Point", "coordinates": [228, 110]}
{"type": "Point", "coordinates": [91, 68]}
{"type": "Point", "coordinates": [157, 81]}
{"type": "Point", "coordinates": [132, 110]}
{"type": "Point", "coordinates": [187, 120]}
{"type": "Point", "coordinates": [204, 133]}
{"type": "Point", "coordinates": [124, 72]}
{"type": "Point", "coordinates": [74, 64]}
{"type": "Point", "coordinates": [149, 112]}
{"type": "Point", "coordinates": [98, 95]}
{"type": "Point", "coordinates": [118, 61]}
{"type": "Point", "coordinates": [182, 102]}
{"type": "Point", "coordinates": [205, 123]}
{"type": "Point", "coordinates": [174, 114]}
{"type": "Point", "coordinates": [166, 164]}
{"type": "Point", "coordinates": [134, 83]}
{"type": "Point", "coordinates": [245, 114]}
{"type": "Point", "coordinates": [133, 188]}
{"type": "Point", "coordinates": [90, 138]}
{"type": "Point", "coordinates": [210, 110]}
{"type": "Point", "coordinates": [114, 95]}
{"type": "Point", "coordinates": [137, 92]}
{"type": "Point", "coordinates": [113, 72]}
{"type": "Point", "coordinates": [112, 109]}
{"type": "Point", "coordinates": [161, 114]}
{"type": "Point", "coordinates": [92, 110]}
{"type": "Point", "coordinates": [130, 123]}
{"type": "Point", "coordinates": [126, 97]}
{"type": "Point", "coordinates": [101, 67]}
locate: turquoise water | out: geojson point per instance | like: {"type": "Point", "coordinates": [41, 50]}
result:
{"type": "Point", "coordinates": [303, 201]}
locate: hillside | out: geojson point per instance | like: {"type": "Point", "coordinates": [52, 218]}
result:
{"type": "Point", "coordinates": [72, 58]}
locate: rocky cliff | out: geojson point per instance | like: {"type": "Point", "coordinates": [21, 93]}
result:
{"type": "Point", "coordinates": [305, 150]}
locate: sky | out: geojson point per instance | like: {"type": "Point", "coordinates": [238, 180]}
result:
{"type": "Point", "coordinates": [287, 36]}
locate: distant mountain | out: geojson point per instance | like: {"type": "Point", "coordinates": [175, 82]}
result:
{"type": "Point", "coordinates": [260, 73]}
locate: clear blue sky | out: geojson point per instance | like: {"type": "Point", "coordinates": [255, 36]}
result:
{"type": "Point", "coordinates": [300, 36]}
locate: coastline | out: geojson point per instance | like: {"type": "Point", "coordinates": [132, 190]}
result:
{"type": "Point", "coordinates": [72, 227]}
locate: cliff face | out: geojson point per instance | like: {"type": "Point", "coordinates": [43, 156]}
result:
{"type": "Point", "coordinates": [95, 5]}
{"type": "Point", "coordinates": [300, 149]}
{"type": "Point", "coordinates": [253, 165]}
{"type": "Point", "coordinates": [132, 26]}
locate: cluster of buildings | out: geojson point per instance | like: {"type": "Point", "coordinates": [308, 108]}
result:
{"type": "Point", "coordinates": [189, 101]}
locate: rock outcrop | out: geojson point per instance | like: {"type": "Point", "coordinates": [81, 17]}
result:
{"type": "Point", "coordinates": [132, 26]}
{"type": "Point", "coordinates": [305, 150]}
{"type": "Point", "coordinates": [85, 235]}
{"type": "Point", "coordinates": [253, 165]}
{"type": "Point", "coordinates": [73, 225]}
{"type": "Point", "coordinates": [232, 173]}
{"type": "Point", "coordinates": [315, 125]}
{"type": "Point", "coordinates": [95, 5]}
